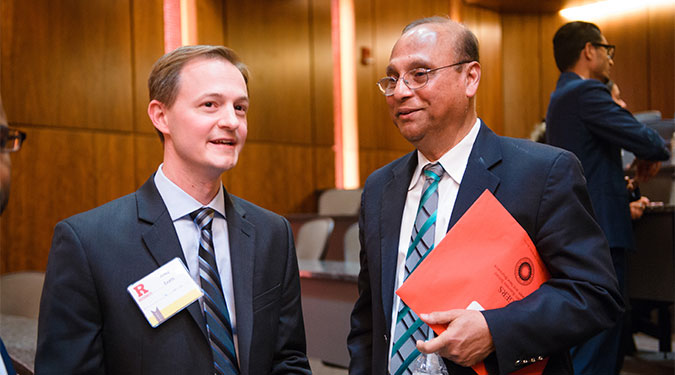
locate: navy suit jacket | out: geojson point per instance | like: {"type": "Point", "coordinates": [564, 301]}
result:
{"type": "Point", "coordinates": [89, 324]}
{"type": "Point", "coordinates": [544, 190]}
{"type": "Point", "coordinates": [583, 118]}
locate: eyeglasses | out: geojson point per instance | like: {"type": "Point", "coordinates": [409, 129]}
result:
{"type": "Point", "coordinates": [609, 47]}
{"type": "Point", "coordinates": [414, 79]}
{"type": "Point", "coordinates": [11, 139]}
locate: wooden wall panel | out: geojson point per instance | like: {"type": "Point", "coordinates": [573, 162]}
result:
{"type": "Point", "coordinates": [67, 64]}
{"type": "Point", "coordinates": [275, 176]}
{"type": "Point", "coordinates": [321, 78]}
{"type": "Point", "coordinates": [630, 35]}
{"type": "Point", "coordinates": [51, 179]}
{"type": "Point", "coordinates": [73, 78]}
{"type": "Point", "coordinates": [272, 38]}
{"type": "Point", "coordinates": [371, 109]}
{"type": "Point", "coordinates": [210, 26]}
{"type": "Point", "coordinates": [661, 68]}
{"type": "Point", "coordinates": [486, 25]}
{"type": "Point", "coordinates": [149, 154]}
{"type": "Point", "coordinates": [325, 167]}
{"type": "Point", "coordinates": [148, 46]}
{"type": "Point", "coordinates": [548, 71]}
{"type": "Point", "coordinates": [113, 160]}
{"type": "Point", "coordinates": [521, 79]}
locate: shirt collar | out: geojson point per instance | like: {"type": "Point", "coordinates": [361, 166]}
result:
{"type": "Point", "coordinates": [179, 203]}
{"type": "Point", "coordinates": [454, 161]}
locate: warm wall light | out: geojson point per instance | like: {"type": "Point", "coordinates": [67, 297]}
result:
{"type": "Point", "coordinates": [344, 92]}
{"type": "Point", "coordinates": [608, 8]}
{"type": "Point", "coordinates": [180, 24]}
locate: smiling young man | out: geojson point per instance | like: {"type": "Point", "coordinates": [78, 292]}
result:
{"type": "Point", "coordinates": [583, 118]}
{"type": "Point", "coordinates": [242, 257]}
{"type": "Point", "coordinates": [408, 205]}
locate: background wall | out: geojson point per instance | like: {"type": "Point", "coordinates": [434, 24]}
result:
{"type": "Point", "coordinates": [73, 77]}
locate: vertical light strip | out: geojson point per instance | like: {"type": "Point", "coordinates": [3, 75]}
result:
{"type": "Point", "coordinates": [172, 33]}
{"type": "Point", "coordinates": [180, 24]}
{"type": "Point", "coordinates": [188, 21]}
{"type": "Point", "coordinates": [337, 93]}
{"type": "Point", "coordinates": [345, 104]}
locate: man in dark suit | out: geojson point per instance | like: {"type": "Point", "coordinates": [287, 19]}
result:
{"type": "Point", "coordinates": [88, 321]}
{"type": "Point", "coordinates": [583, 118]}
{"type": "Point", "coordinates": [430, 88]}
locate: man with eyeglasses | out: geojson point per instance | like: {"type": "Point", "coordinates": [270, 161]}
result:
{"type": "Point", "coordinates": [10, 141]}
{"type": "Point", "coordinates": [430, 87]}
{"type": "Point", "coordinates": [583, 118]}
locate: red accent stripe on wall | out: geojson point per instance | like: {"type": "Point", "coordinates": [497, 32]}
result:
{"type": "Point", "coordinates": [337, 94]}
{"type": "Point", "coordinates": [172, 31]}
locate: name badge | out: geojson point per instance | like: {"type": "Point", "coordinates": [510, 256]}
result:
{"type": "Point", "coordinates": [164, 292]}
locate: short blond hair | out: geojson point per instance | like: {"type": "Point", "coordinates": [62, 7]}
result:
{"type": "Point", "coordinates": [164, 80]}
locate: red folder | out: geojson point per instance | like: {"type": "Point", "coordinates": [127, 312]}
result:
{"type": "Point", "coordinates": [486, 258]}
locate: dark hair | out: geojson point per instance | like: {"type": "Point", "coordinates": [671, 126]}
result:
{"type": "Point", "coordinates": [164, 80]}
{"type": "Point", "coordinates": [467, 49]}
{"type": "Point", "coordinates": [570, 39]}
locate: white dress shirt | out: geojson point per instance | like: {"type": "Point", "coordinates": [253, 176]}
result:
{"type": "Point", "coordinates": [454, 163]}
{"type": "Point", "coordinates": [180, 204]}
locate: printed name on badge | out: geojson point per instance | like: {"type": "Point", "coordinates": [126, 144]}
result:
{"type": "Point", "coordinates": [164, 292]}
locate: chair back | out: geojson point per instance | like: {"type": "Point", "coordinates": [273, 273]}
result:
{"type": "Point", "coordinates": [313, 238]}
{"type": "Point", "coordinates": [340, 202]}
{"type": "Point", "coordinates": [20, 293]}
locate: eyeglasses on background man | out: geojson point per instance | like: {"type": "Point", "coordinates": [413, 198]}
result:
{"type": "Point", "coordinates": [11, 139]}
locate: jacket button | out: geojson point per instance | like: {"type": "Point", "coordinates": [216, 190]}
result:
{"type": "Point", "coordinates": [533, 360]}
{"type": "Point", "coordinates": [524, 360]}
{"type": "Point", "coordinates": [385, 338]}
{"type": "Point", "coordinates": [540, 358]}
{"type": "Point", "coordinates": [518, 362]}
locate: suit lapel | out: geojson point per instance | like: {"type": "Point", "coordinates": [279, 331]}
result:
{"type": "Point", "coordinates": [160, 237]}
{"type": "Point", "coordinates": [391, 211]}
{"type": "Point", "coordinates": [242, 256]}
{"type": "Point", "coordinates": [477, 177]}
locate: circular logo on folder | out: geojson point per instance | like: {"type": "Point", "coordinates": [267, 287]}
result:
{"type": "Point", "coordinates": [524, 271]}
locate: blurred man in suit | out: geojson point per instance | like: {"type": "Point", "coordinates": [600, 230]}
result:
{"type": "Point", "coordinates": [583, 118]}
{"type": "Point", "coordinates": [10, 141]}
{"type": "Point", "coordinates": [249, 320]}
{"type": "Point", "coordinates": [430, 87]}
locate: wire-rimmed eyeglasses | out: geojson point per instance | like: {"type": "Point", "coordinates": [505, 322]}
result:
{"type": "Point", "coordinates": [609, 47]}
{"type": "Point", "coordinates": [414, 79]}
{"type": "Point", "coordinates": [11, 139]}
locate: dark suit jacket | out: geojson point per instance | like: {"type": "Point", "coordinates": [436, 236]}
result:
{"type": "Point", "coordinates": [544, 190]}
{"type": "Point", "coordinates": [89, 323]}
{"type": "Point", "coordinates": [583, 118]}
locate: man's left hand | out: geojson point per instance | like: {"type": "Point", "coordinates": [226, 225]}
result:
{"type": "Point", "coordinates": [466, 341]}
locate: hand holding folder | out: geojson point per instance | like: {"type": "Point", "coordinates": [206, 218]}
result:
{"type": "Point", "coordinates": [486, 260]}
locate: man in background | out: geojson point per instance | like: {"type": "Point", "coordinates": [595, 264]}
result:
{"type": "Point", "coordinates": [583, 118]}
{"type": "Point", "coordinates": [249, 320]}
{"type": "Point", "coordinates": [430, 87]}
{"type": "Point", "coordinates": [10, 141]}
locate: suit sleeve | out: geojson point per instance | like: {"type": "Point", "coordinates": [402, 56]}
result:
{"type": "Point", "coordinates": [290, 352]}
{"type": "Point", "coordinates": [617, 126]}
{"type": "Point", "coordinates": [582, 296]}
{"type": "Point", "coordinates": [69, 325]}
{"type": "Point", "coordinates": [359, 341]}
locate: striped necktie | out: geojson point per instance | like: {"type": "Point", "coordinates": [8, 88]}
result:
{"type": "Point", "coordinates": [217, 318]}
{"type": "Point", "coordinates": [409, 328]}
